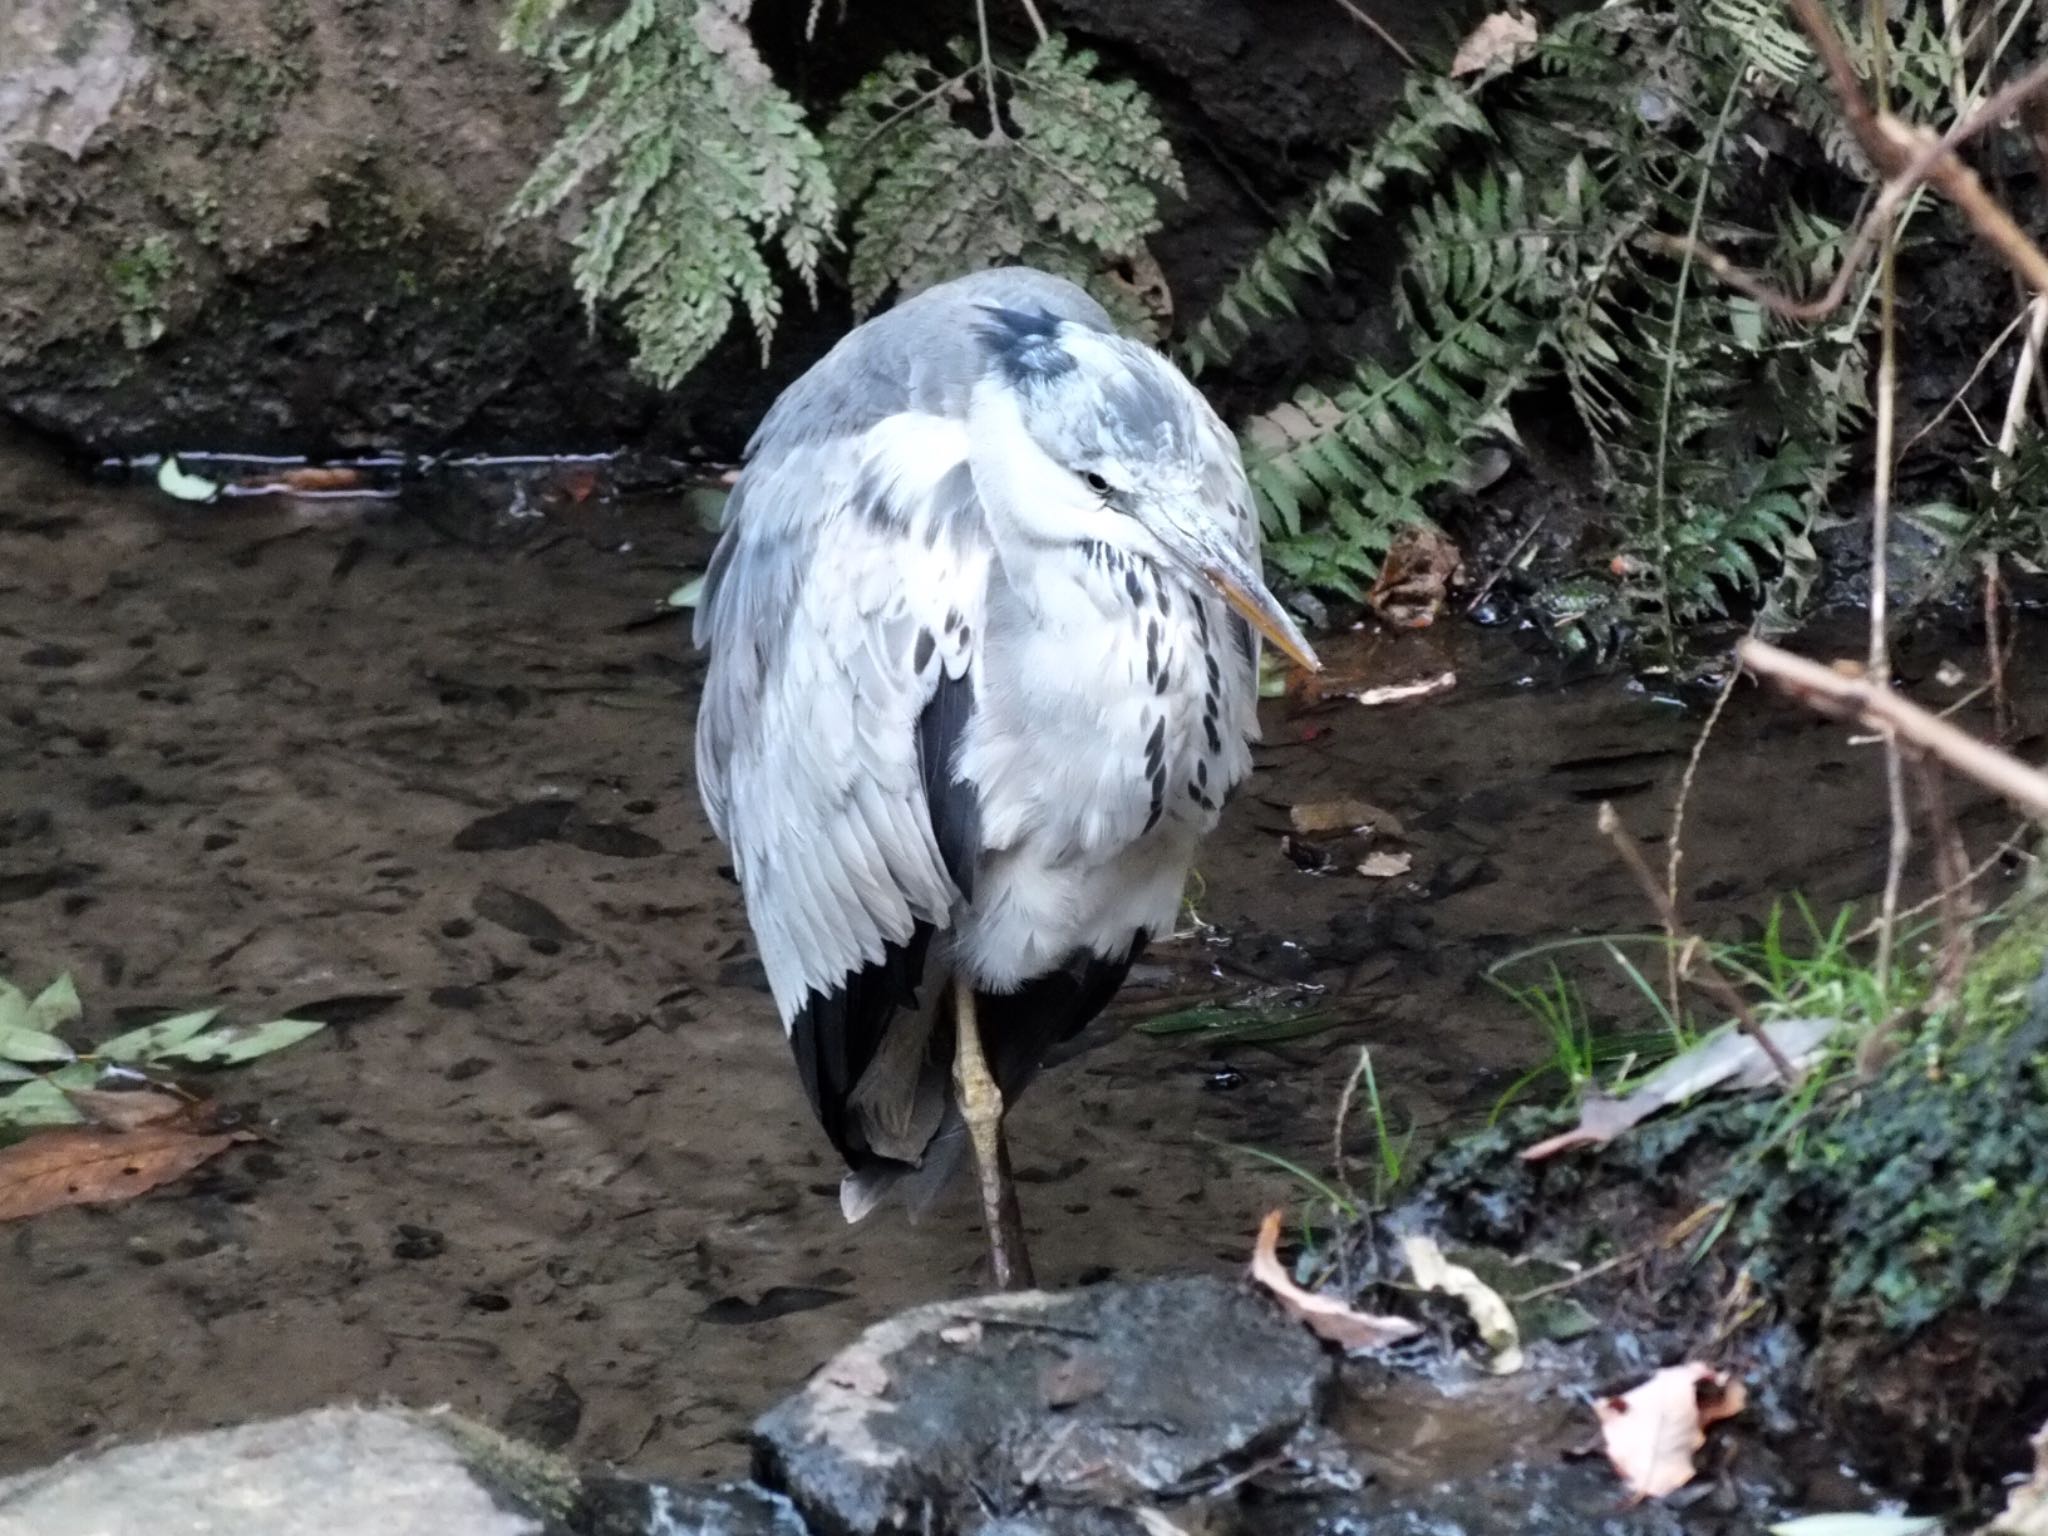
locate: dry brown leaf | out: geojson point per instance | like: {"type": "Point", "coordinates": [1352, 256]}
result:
{"type": "Point", "coordinates": [1385, 866]}
{"type": "Point", "coordinates": [94, 1167]}
{"type": "Point", "coordinates": [129, 1111]}
{"type": "Point", "coordinates": [1652, 1431]}
{"type": "Point", "coordinates": [1326, 1316]}
{"type": "Point", "coordinates": [1415, 578]}
{"type": "Point", "coordinates": [1504, 38]}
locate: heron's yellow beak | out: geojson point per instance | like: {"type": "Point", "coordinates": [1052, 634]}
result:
{"type": "Point", "coordinates": [1242, 589]}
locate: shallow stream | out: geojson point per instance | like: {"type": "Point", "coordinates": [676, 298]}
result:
{"type": "Point", "coordinates": [423, 772]}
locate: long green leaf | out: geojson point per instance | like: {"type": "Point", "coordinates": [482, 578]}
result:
{"type": "Point", "coordinates": [232, 1046]}
{"type": "Point", "coordinates": [153, 1040]}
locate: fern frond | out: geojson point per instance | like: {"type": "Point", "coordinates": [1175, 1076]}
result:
{"type": "Point", "coordinates": [1068, 173]}
{"type": "Point", "coordinates": [1433, 114]}
{"type": "Point", "coordinates": [703, 161]}
{"type": "Point", "coordinates": [1361, 459]}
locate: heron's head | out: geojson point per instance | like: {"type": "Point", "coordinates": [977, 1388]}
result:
{"type": "Point", "coordinates": [1080, 434]}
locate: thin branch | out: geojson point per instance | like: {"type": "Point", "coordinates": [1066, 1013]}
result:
{"type": "Point", "coordinates": [1983, 361]}
{"type": "Point", "coordinates": [1920, 167]}
{"type": "Point", "coordinates": [1708, 980]}
{"type": "Point", "coordinates": [988, 73]}
{"type": "Point", "coordinates": [1977, 872]}
{"type": "Point", "coordinates": [1851, 692]}
{"type": "Point", "coordinates": [1900, 844]}
{"type": "Point", "coordinates": [2022, 382]}
{"type": "Point", "coordinates": [1037, 22]}
{"type": "Point", "coordinates": [1359, 15]}
{"type": "Point", "coordinates": [1675, 844]}
{"type": "Point", "coordinates": [1904, 152]}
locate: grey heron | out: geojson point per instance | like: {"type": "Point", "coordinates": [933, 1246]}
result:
{"type": "Point", "coordinates": [984, 628]}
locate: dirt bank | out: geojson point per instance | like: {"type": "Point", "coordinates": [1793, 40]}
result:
{"type": "Point", "coordinates": [270, 223]}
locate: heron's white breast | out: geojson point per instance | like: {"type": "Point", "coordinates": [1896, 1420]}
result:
{"type": "Point", "coordinates": [1111, 717]}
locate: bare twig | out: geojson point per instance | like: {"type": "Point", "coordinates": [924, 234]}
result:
{"type": "Point", "coordinates": [996, 130]}
{"type": "Point", "coordinates": [1984, 361]}
{"type": "Point", "coordinates": [1852, 693]}
{"type": "Point", "coordinates": [1708, 980]}
{"type": "Point", "coordinates": [1359, 15]}
{"type": "Point", "coordinates": [1677, 1232]}
{"type": "Point", "coordinates": [1996, 652]}
{"type": "Point", "coordinates": [1977, 872]}
{"type": "Point", "coordinates": [2022, 382]}
{"type": "Point", "coordinates": [1900, 843]}
{"type": "Point", "coordinates": [1037, 21]}
{"type": "Point", "coordinates": [1508, 561]}
{"type": "Point", "coordinates": [1952, 870]}
{"type": "Point", "coordinates": [1674, 854]}
{"type": "Point", "coordinates": [1902, 150]}
{"type": "Point", "coordinates": [1919, 167]}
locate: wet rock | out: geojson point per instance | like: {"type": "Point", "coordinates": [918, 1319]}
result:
{"type": "Point", "coordinates": [549, 1415]}
{"type": "Point", "coordinates": [335, 1472]}
{"type": "Point", "coordinates": [618, 1508]}
{"type": "Point", "coordinates": [957, 1413]}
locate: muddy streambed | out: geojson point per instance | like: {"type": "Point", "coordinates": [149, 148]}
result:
{"type": "Point", "coordinates": [426, 775]}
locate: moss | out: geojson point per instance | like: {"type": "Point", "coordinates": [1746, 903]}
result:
{"type": "Point", "coordinates": [236, 93]}
{"type": "Point", "coordinates": [141, 276]}
{"type": "Point", "coordinates": [1928, 1190]}
{"type": "Point", "coordinates": [522, 1476]}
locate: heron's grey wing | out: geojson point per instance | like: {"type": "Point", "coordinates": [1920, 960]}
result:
{"type": "Point", "coordinates": [843, 611]}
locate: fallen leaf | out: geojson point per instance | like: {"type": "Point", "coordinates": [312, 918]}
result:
{"type": "Point", "coordinates": [1434, 1272]}
{"type": "Point", "coordinates": [1415, 578]}
{"type": "Point", "coordinates": [319, 477]}
{"type": "Point", "coordinates": [173, 480]}
{"type": "Point", "coordinates": [1326, 1316]}
{"type": "Point", "coordinates": [1949, 675]}
{"type": "Point", "coordinates": [1652, 1431]}
{"type": "Point", "coordinates": [239, 1043]}
{"type": "Point", "coordinates": [56, 1005]}
{"type": "Point", "coordinates": [1384, 866]}
{"type": "Point", "coordinates": [150, 1041]}
{"type": "Point", "coordinates": [37, 1104]}
{"type": "Point", "coordinates": [1726, 1059]}
{"type": "Point", "coordinates": [94, 1167]}
{"type": "Point", "coordinates": [961, 1335]}
{"type": "Point", "coordinates": [32, 1047]}
{"type": "Point", "coordinates": [128, 1111]}
{"type": "Point", "coordinates": [1333, 815]}
{"type": "Point", "coordinates": [1502, 40]}
{"type": "Point", "coordinates": [1399, 693]}
{"type": "Point", "coordinates": [1859, 1525]}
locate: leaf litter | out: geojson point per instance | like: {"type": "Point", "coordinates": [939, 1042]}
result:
{"type": "Point", "coordinates": [1652, 1432]}
{"type": "Point", "coordinates": [1326, 1316]}
{"type": "Point", "coordinates": [1726, 1060]}
{"type": "Point", "coordinates": [78, 1166]}
{"type": "Point", "coordinates": [91, 1127]}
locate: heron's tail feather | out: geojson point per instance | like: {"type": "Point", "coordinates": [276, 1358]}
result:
{"type": "Point", "coordinates": [917, 1184]}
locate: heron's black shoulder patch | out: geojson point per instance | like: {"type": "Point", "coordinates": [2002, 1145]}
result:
{"type": "Point", "coordinates": [1024, 344]}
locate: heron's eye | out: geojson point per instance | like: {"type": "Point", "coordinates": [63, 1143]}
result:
{"type": "Point", "coordinates": [1095, 483]}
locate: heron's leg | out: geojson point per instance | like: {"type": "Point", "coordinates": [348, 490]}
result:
{"type": "Point", "coordinates": [981, 1106]}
